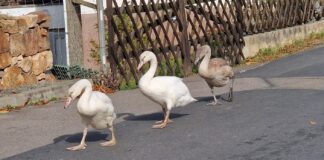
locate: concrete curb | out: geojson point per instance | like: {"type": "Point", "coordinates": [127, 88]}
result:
{"type": "Point", "coordinates": [280, 37]}
{"type": "Point", "coordinates": [56, 89]}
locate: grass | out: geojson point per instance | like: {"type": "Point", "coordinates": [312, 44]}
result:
{"type": "Point", "coordinates": [272, 53]}
{"type": "Point", "coordinates": [37, 102]}
{"type": "Point", "coordinates": [127, 86]}
{"type": "Point", "coordinates": [10, 107]}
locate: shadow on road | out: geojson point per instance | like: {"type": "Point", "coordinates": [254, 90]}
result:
{"type": "Point", "coordinates": [211, 98]}
{"type": "Point", "coordinates": [152, 117]}
{"type": "Point", "coordinates": [92, 136]}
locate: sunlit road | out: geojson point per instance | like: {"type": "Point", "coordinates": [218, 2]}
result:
{"type": "Point", "coordinates": [284, 121]}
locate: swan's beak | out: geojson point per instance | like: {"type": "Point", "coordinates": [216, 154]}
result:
{"type": "Point", "coordinates": [67, 102]}
{"type": "Point", "coordinates": [140, 65]}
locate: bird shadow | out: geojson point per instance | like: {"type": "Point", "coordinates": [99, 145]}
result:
{"type": "Point", "coordinates": [92, 136]}
{"type": "Point", "coordinates": [211, 98]}
{"type": "Point", "coordinates": [150, 117]}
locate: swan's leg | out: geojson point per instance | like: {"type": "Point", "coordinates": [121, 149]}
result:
{"type": "Point", "coordinates": [230, 94]}
{"type": "Point", "coordinates": [82, 144]}
{"type": "Point", "coordinates": [164, 114]}
{"type": "Point", "coordinates": [215, 99]}
{"type": "Point", "coordinates": [113, 139]}
{"type": "Point", "coordinates": [165, 122]}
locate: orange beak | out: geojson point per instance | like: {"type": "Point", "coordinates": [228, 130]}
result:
{"type": "Point", "coordinates": [140, 65]}
{"type": "Point", "coordinates": [67, 102]}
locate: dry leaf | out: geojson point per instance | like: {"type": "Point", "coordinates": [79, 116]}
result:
{"type": "Point", "coordinates": [4, 111]}
{"type": "Point", "coordinates": [312, 123]}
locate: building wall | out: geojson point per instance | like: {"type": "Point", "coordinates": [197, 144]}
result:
{"type": "Point", "coordinates": [54, 11]}
{"type": "Point", "coordinates": [25, 53]}
{"type": "Point", "coordinates": [89, 33]}
{"type": "Point", "coordinates": [56, 28]}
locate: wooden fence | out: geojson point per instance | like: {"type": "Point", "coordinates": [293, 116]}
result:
{"type": "Point", "coordinates": [173, 29]}
{"type": "Point", "coordinates": [267, 15]}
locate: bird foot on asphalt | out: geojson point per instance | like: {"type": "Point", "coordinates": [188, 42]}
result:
{"type": "Point", "coordinates": [77, 148]}
{"type": "Point", "coordinates": [159, 126]}
{"type": "Point", "coordinates": [108, 143]}
{"type": "Point", "coordinates": [159, 122]}
{"type": "Point", "coordinates": [214, 103]}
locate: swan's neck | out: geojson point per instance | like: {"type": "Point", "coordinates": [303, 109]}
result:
{"type": "Point", "coordinates": [151, 72]}
{"type": "Point", "coordinates": [203, 67]}
{"type": "Point", "coordinates": [86, 94]}
{"type": "Point", "coordinates": [83, 103]}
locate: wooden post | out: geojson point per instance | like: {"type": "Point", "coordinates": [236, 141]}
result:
{"type": "Point", "coordinates": [110, 49]}
{"type": "Point", "coordinates": [184, 44]}
{"type": "Point", "coordinates": [74, 33]}
{"type": "Point", "coordinates": [240, 20]}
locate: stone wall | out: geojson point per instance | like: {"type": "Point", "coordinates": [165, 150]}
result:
{"type": "Point", "coordinates": [25, 53]}
{"type": "Point", "coordinates": [280, 37]}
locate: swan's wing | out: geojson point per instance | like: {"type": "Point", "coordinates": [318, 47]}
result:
{"type": "Point", "coordinates": [101, 101]}
{"type": "Point", "coordinates": [169, 85]}
{"type": "Point", "coordinates": [217, 63]}
{"type": "Point", "coordinates": [218, 68]}
{"type": "Point", "coordinates": [101, 96]}
{"type": "Point", "coordinates": [172, 88]}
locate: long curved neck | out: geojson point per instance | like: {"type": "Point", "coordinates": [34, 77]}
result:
{"type": "Point", "coordinates": [86, 93]}
{"type": "Point", "coordinates": [83, 103]}
{"type": "Point", "coordinates": [151, 72]}
{"type": "Point", "coordinates": [204, 63]}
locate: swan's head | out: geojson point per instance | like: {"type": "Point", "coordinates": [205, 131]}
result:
{"type": "Point", "coordinates": [201, 52]}
{"type": "Point", "coordinates": [76, 90]}
{"type": "Point", "coordinates": [145, 57]}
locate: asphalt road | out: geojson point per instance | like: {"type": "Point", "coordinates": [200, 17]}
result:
{"type": "Point", "coordinates": [275, 123]}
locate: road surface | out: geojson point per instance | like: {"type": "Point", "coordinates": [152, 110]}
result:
{"type": "Point", "coordinates": [281, 118]}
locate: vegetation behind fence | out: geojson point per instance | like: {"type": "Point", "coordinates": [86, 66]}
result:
{"type": "Point", "coordinates": [173, 29]}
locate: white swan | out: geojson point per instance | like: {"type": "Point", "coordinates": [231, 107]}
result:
{"type": "Point", "coordinates": [216, 71]}
{"type": "Point", "coordinates": [168, 91]}
{"type": "Point", "coordinates": [95, 109]}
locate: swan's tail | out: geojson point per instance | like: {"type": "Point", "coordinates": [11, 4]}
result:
{"type": "Point", "coordinates": [193, 100]}
{"type": "Point", "coordinates": [186, 100]}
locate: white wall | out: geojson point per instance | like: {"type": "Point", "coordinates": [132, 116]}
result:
{"type": "Point", "coordinates": [55, 11]}
{"type": "Point", "coordinates": [87, 10]}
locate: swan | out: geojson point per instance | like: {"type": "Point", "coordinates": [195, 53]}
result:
{"type": "Point", "coordinates": [168, 91]}
{"type": "Point", "coordinates": [217, 72]}
{"type": "Point", "coordinates": [95, 108]}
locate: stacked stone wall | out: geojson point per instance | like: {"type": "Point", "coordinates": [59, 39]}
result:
{"type": "Point", "coordinates": [25, 54]}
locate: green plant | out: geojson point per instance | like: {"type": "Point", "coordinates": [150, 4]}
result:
{"type": "Point", "coordinates": [130, 85]}
{"type": "Point", "coordinates": [299, 42]}
{"type": "Point", "coordinates": [10, 107]}
{"type": "Point", "coordinates": [268, 51]}
{"type": "Point", "coordinates": [174, 63]}
{"type": "Point", "coordinates": [34, 102]}
{"type": "Point", "coordinates": [195, 69]}
{"type": "Point", "coordinates": [94, 51]}
{"type": "Point", "coordinates": [268, 54]}
{"type": "Point", "coordinates": [53, 99]}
